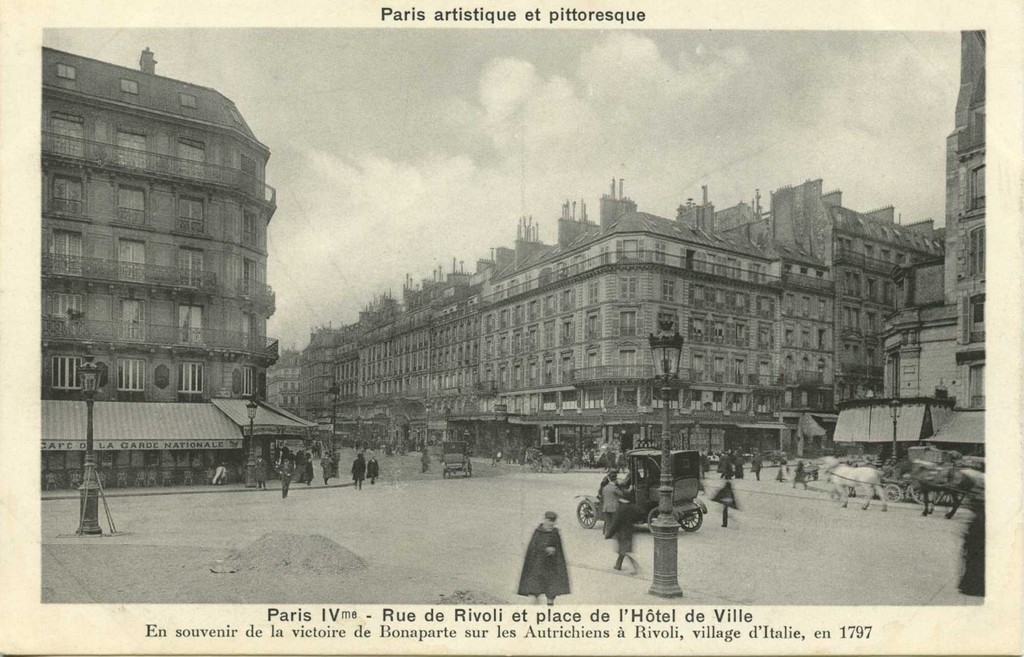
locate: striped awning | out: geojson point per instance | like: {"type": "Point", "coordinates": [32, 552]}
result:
{"type": "Point", "coordinates": [137, 425]}
{"type": "Point", "coordinates": [269, 419]}
{"type": "Point", "coordinates": [873, 424]}
{"type": "Point", "coordinates": [964, 427]}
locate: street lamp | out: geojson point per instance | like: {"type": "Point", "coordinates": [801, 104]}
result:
{"type": "Point", "coordinates": [667, 349]}
{"type": "Point", "coordinates": [334, 391]}
{"type": "Point", "coordinates": [88, 523]}
{"type": "Point", "coordinates": [894, 409]}
{"type": "Point", "coordinates": [250, 463]}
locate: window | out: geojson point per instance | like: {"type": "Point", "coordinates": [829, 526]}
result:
{"type": "Point", "coordinates": [131, 205]}
{"type": "Point", "coordinates": [190, 324]}
{"type": "Point", "coordinates": [67, 195]}
{"type": "Point", "coordinates": [129, 86]}
{"type": "Point", "coordinates": [248, 381]}
{"type": "Point", "coordinates": [789, 337]}
{"type": "Point", "coordinates": [976, 252]}
{"type": "Point", "coordinates": [871, 289]}
{"type": "Point", "coordinates": [821, 339]}
{"type": "Point", "coordinates": [187, 100]}
{"type": "Point", "coordinates": [190, 215]}
{"type": "Point", "coordinates": [719, 332]}
{"type": "Point", "coordinates": [668, 289]}
{"type": "Point", "coordinates": [977, 188]}
{"type": "Point", "coordinates": [568, 332]}
{"type": "Point", "coordinates": [593, 292]}
{"type": "Point", "coordinates": [806, 308]}
{"type": "Point", "coordinates": [131, 149]}
{"type": "Point", "coordinates": [131, 259]}
{"type": "Point", "coordinates": [593, 327]}
{"type": "Point", "coordinates": [64, 372]}
{"type": "Point", "coordinates": [190, 377]}
{"type": "Point", "coordinates": [696, 330]}
{"type": "Point", "coordinates": [764, 337]}
{"type": "Point", "coordinates": [627, 287]}
{"type": "Point", "coordinates": [659, 252]}
{"type": "Point", "coordinates": [66, 71]}
{"type": "Point", "coordinates": [193, 157]}
{"type": "Point", "coordinates": [68, 134]}
{"type": "Point", "coordinates": [821, 309]}
{"type": "Point", "coordinates": [977, 385]}
{"type": "Point", "coordinates": [628, 250]}
{"type": "Point", "coordinates": [65, 305]}
{"type": "Point", "coordinates": [788, 304]}
{"type": "Point", "coordinates": [627, 323]}
{"type": "Point", "coordinates": [66, 252]}
{"type": "Point", "coordinates": [805, 338]}
{"type": "Point", "coordinates": [131, 374]}
{"type": "Point", "coordinates": [568, 299]}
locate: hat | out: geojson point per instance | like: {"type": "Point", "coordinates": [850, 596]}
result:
{"type": "Point", "coordinates": [550, 515]}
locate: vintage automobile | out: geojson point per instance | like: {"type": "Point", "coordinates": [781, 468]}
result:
{"type": "Point", "coordinates": [644, 468]}
{"type": "Point", "coordinates": [455, 459]}
{"type": "Point", "coordinates": [548, 457]}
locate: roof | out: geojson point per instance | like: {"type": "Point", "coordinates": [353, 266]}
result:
{"type": "Point", "coordinates": [850, 221]}
{"type": "Point", "coordinates": [634, 222]}
{"type": "Point", "coordinates": [268, 418]}
{"type": "Point", "coordinates": [156, 92]}
{"type": "Point", "coordinates": [136, 422]}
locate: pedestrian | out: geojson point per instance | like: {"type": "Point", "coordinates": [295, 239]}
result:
{"type": "Point", "coordinates": [622, 529]}
{"type": "Point", "coordinates": [705, 465]}
{"type": "Point", "coordinates": [727, 467]}
{"type": "Point", "coordinates": [737, 464]}
{"type": "Point", "coordinates": [287, 469]}
{"type": "Point", "coordinates": [309, 468]}
{"type": "Point", "coordinates": [798, 475]}
{"type": "Point", "coordinates": [497, 458]}
{"type": "Point", "coordinates": [972, 578]}
{"type": "Point", "coordinates": [425, 459]}
{"type": "Point", "coordinates": [327, 467]}
{"type": "Point", "coordinates": [782, 467]}
{"type": "Point", "coordinates": [259, 473]}
{"type": "Point", "coordinates": [359, 470]}
{"type": "Point", "coordinates": [544, 570]}
{"type": "Point", "coordinates": [220, 477]}
{"type": "Point", "coordinates": [299, 462]}
{"type": "Point", "coordinates": [727, 498]}
{"type": "Point", "coordinates": [721, 466]}
{"type": "Point", "coordinates": [372, 469]}
{"type": "Point", "coordinates": [755, 465]}
{"type": "Point", "coordinates": [608, 493]}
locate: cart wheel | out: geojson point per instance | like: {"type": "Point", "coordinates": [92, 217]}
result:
{"type": "Point", "coordinates": [915, 493]}
{"type": "Point", "coordinates": [586, 514]}
{"type": "Point", "coordinates": [691, 522]}
{"type": "Point", "coordinates": [893, 493]}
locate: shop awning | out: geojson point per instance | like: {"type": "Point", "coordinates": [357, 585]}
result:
{"type": "Point", "coordinates": [873, 424]}
{"type": "Point", "coordinates": [773, 426]}
{"type": "Point", "coordinates": [137, 425]}
{"type": "Point", "coordinates": [269, 419]}
{"type": "Point", "coordinates": [809, 427]}
{"type": "Point", "coordinates": [963, 427]}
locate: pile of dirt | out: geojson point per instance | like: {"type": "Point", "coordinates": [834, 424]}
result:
{"type": "Point", "coordinates": [286, 552]}
{"type": "Point", "coordinates": [465, 597]}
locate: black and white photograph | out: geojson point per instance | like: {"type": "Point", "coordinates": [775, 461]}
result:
{"type": "Point", "coordinates": [434, 315]}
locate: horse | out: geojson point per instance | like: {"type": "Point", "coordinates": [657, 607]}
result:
{"type": "Point", "coordinates": [865, 480]}
{"type": "Point", "coordinates": [955, 481]}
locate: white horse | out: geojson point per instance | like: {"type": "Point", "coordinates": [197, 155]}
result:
{"type": "Point", "coordinates": [867, 481]}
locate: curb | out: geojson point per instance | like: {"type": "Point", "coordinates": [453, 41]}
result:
{"type": "Point", "coordinates": [203, 491]}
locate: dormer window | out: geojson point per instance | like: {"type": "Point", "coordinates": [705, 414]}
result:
{"type": "Point", "coordinates": [67, 72]}
{"type": "Point", "coordinates": [188, 100]}
{"type": "Point", "coordinates": [129, 86]}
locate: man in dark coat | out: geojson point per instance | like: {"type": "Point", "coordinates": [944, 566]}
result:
{"type": "Point", "coordinates": [425, 460]}
{"type": "Point", "coordinates": [287, 469]}
{"type": "Point", "coordinates": [972, 578]}
{"type": "Point", "coordinates": [727, 470]}
{"type": "Point", "coordinates": [544, 570]}
{"type": "Point", "coordinates": [308, 475]}
{"type": "Point", "coordinates": [372, 470]}
{"type": "Point", "coordinates": [622, 529]}
{"type": "Point", "coordinates": [755, 465]}
{"type": "Point", "coordinates": [737, 465]}
{"type": "Point", "coordinates": [359, 471]}
{"type": "Point", "coordinates": [300, 467]}
{"type": "Point", "coordinates": [327, 466]}
{"type": "Point", "coordinates": [259, 473]}
{"type": "Point", "coordinates": [799, 476]}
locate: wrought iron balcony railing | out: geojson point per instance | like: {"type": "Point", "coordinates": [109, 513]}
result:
{"type": "Point", "coordinates": [157, 163]}
{"type": "Point", "coordinates": [611, 372]}
{"type": "Point", "coordinates": [114, 270]}
{"type": "Point", "coordinates": [124, 331]}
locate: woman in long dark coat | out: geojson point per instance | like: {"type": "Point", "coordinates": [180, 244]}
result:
{"type": "Point", "coordinates": [309, 469]}
{"type": "Point", "coordinates": [359, 471]}
{"type": "Point", "coordinates": [372, 470]}
{"type": "Point", "coordinates": [544, 570]}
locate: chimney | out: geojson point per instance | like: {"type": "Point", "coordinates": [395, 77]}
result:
{"type": "Point", "coordinates": [704, 189]}
{"type": "Point", "coordinates": [574, 210]}
{"type": "Point", "coordinates": [620, 187]}
{"type": "Point", "coordinates": [613, 187]}
{"type": "Point", "coordinates": [147, 64]}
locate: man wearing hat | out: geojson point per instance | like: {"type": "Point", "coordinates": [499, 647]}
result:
{"type": "Point", "coordinates": [544, 570]}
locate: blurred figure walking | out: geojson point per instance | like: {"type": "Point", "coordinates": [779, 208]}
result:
{"type": "Point", "coordinates": [544, 570]}
{"type": "Point", "coordinates": [359, 470]}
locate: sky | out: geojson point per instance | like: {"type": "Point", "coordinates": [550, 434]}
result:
{"type": "Point", "coordinates": [395, 151]}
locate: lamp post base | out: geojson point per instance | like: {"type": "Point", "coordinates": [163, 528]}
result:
{"type": "Point", "coordinates": [89, 525]}
{"type": "Point", "coordinates": [665, 583]}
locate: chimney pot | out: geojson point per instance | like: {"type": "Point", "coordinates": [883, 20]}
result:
{"type": "Point", "coordinates": [147, 63]}
{"type": "Point", "coordinates": [620, 187]}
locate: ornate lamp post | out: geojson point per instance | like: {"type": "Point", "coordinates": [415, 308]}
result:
{"type": "Point", "coordinates": [334, 391]}
{"type": "Point", "coordinates": [666, 348]}
{"type": "Point", "coordinates": [894, 410]}
{"type": "Point", "coordinates": [250, 459]}
{"type": "Point", "coordinates": [88, 523]}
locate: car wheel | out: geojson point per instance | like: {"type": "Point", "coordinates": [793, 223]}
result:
{"type": "Point", "coordinates": [691, 522]}
{"type": "Point", "coordinates": [586, 514]}
{"type": "Point", "coordinates": [893, 493]}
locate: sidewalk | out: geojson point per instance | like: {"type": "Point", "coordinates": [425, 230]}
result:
{"type": "Point", "coordinates": [200, 489]}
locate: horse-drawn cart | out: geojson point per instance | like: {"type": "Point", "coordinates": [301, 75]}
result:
{"type": "Point", "coordinates": [548, 458]}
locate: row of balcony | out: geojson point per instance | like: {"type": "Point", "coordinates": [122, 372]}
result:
{"type": "Point", "coordinates": [599, 373]}
{"type": "Point", "coordinates": [808, 282]}
{"type": "Point", "coordinates": [60, 328]}
{"type": "Point", "coordinates": [707, 303]}
{"type": "Point", "coordinates": [131, 272]}
{"type": "Point", "coordinates": [159, 164]}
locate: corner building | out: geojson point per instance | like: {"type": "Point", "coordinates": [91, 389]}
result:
{"type": "Point", "coordinates": [154, 220]}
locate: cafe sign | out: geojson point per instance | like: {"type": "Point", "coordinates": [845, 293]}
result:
{"type": "Point", "coordinates": [114, 445]}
